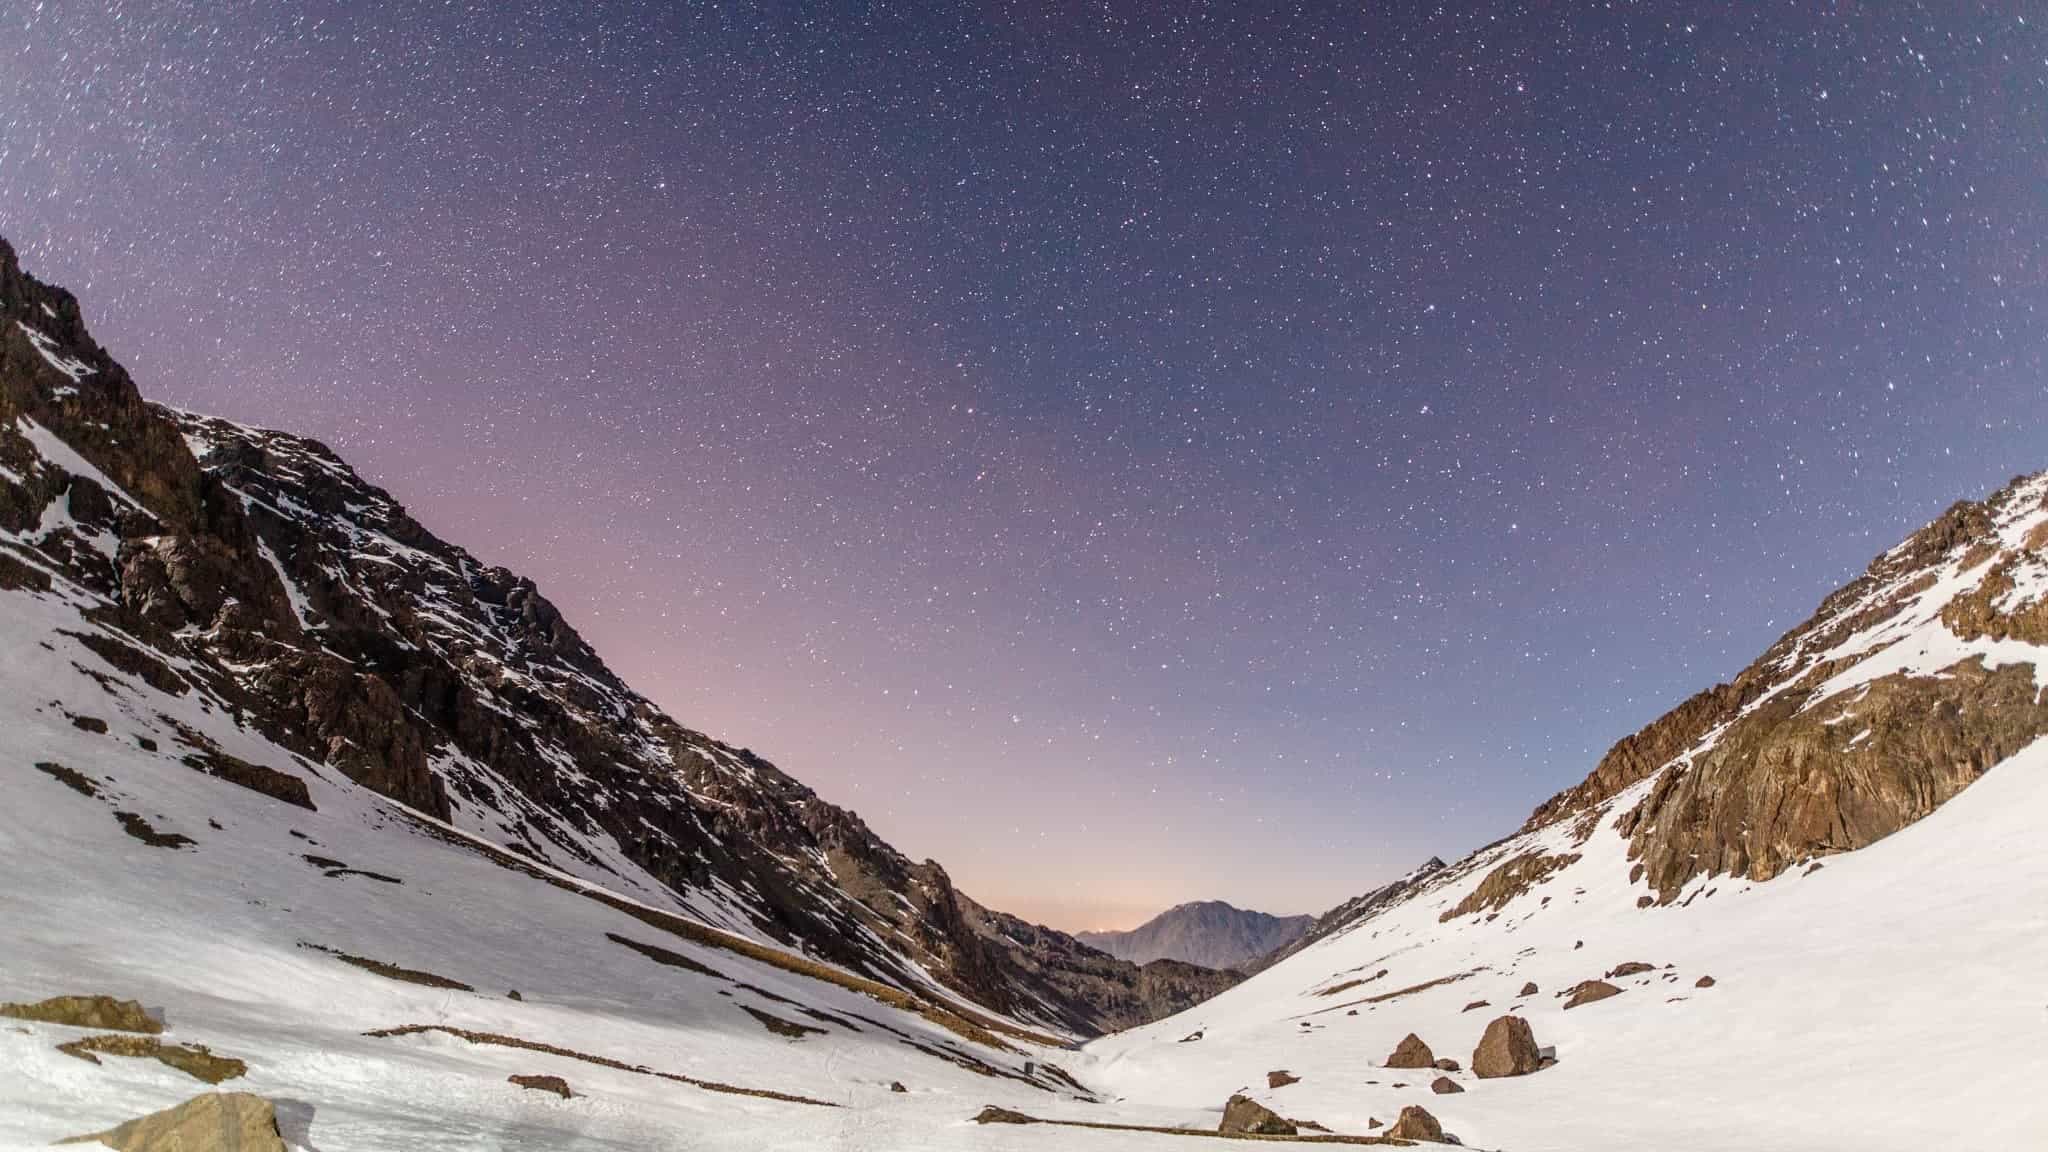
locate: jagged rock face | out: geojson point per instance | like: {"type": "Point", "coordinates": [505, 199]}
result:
{"type": "Point", "coordinates": [1903, 688]}
{"type": "Point", "coordinates": [1354, 911]}
{"type": "Point", "coordinates": [257, 568]}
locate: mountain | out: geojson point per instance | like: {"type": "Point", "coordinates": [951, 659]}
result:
{"type": "Point", "coordinates": [256, 569]}
{"type": "Point", "coordinates": [357, 829]}
{"type": "Point", "coordinates": [1205, 932]}
{"type": "Point", "coordinates": [1797, 911]}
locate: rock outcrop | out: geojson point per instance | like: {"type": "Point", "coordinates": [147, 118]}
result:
{"type": "Point", "coordinates": [1902, 689]}
{"type": "Point", "coordinates": [102, 1012]}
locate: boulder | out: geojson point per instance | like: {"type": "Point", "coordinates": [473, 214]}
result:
{"type": "Point", "coordinates": [1507, 1049]}
{"type": "Point", "coordinates": [897, 1086]}
{"type": "Point", "coordinates": [1411, 1052]}
{"type": "Point", "coordinates": [1415, 1123]}
{"type": "Point", "coordinates": [1587, 991]}
{"type": "Point", "coordinates": [102, 1012]}
{"type": "Point", "coordinates": [1630, 969]}
{"type": "Point", "coordinates": [1529, 989]}
{"type": "Point", "coordinates": [1704, 982]}
{"type": "Point", "coordinates": [1281, 1079]}
{"type": "Point", "coordinates": [214, 1122]}
{"type": "Point", "coordinates": [1444, 1086]}
{"type": "Point", "coordinates": [995, 1115]}
{"type": "Point", "coordinates": [1446, 1064]}
{"type": "Point", "coordinates": [555, 1084]}
{"type": "Point", "coordinates": [1244, 1116]}
{"type": "Point", "coordinates": [1474, 1004]}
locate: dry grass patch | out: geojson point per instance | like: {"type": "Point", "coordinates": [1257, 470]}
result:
{"type": "Point", "coordinates": [392, 971]}
{"type": "Point", "coordinates": [499, 1040]}
{"type": "Point", "coordinates": [959, 1020]}
{"type": "Point", "coordinates": [995, 1115]}
{"type": "Point", "coordinates": [195, 1060]}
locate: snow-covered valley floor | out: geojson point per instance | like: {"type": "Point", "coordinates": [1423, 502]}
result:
{"type": "Point", "coordinates": [1896, 998]}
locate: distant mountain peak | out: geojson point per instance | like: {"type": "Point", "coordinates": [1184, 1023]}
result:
{"type": "Point", "coordinates": [1211, 933]}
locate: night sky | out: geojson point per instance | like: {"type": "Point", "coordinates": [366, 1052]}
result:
{"type": "Point", "coordinates": [1130, 454]}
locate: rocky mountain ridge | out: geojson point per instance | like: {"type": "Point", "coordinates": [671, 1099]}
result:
{"type": "Point", "coordinates": [257, 568]}
{"type": "Point", "coordinates": [1210, 933]}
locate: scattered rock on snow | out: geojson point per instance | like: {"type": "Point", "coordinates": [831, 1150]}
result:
{"type": "Point", "coordinates": [995, 1115]}
{"type": "Point", "coordinates": [1507, 1049]}
{"type": "Point", "coordinates": [555, 1084]}
{"type": "Point", "coordinates": [1412, 1053]}
{"type": "Point", "coordinates": [1529, 989]}
{"type": "Point", "coordinates": [1587, 991]}
{"type": "Point", "coordinates": [1444, 1086]}
{"type": "Point", "coordinates": [1244, 1116]}
{"type": "Point", "coordinates": [1474, 1004]}
{"type": "Point", "coordinates": [1415, 1123]}
{"type": "Point", "coordinates": [1630, 969]}
{"type": "Point", "coordinates": [897, 1086]}
{"type": "Point", "coordinates": [1704, 982]}
{"type": "Point", "coordinates": [1446, 1064]}
{"type": "Point", "coordinates": [1281, 1078]}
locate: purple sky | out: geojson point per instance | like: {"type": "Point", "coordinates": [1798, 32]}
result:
{"type": "Point", "coordinates": [1129, 454]}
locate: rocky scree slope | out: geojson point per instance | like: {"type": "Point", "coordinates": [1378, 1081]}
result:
{"type": "Point", "coordinates": [257, 567]}
{"type": "Point", "coordinates": [1205, 932]}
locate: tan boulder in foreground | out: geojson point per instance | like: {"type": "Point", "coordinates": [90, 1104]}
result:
{"type": "Point", "coordinates": [215, 1122]}
{"type": "Point", "coordinates": [1507, 1049]}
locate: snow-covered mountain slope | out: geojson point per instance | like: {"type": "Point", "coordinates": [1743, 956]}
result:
{"type": "Point", "coordinates": [1206, 932]}
{"type": "Point", "coordinates": [1819, 896]}
{"type": "Point", "coordinates": [310, 604]}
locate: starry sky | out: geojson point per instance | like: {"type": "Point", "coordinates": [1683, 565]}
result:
{"type": "Point", "coordinates": [1130, 453]}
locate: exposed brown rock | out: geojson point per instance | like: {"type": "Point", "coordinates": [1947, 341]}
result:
{"type": "Point", "coordinates": [1704, 982]}
{"type": "Point", "coordinates": [1631, 968]}
{"type": "Point", "coordinates": [555, 1084]}
{"type": "Point", "coordinates": [1508, 881]}
{"type": "Point", "coordinates": [1528, 989]}
{"type": "Point", "coordinates": [195, 1060]}
{"type": "Point", "coordinates": [1474, 1004]}
{"type": "Point", "coordinates": [995, 1115]}
{"type": "Point", "coordinates": [1786, 780]}
{"type": "Point", "coordinates": [1508, 1048]}
{"type": "Point", "coordinates": [1244, 1116]}
{"type": "Point", "coordinates": [214, 1122]}
{"type": "Point", "coordinates": [138, 827]}
{"type": "Point", "coordinates": [1446, 1064]}
{"type": "Point", "coordinates": [1411, 1052]}
{"type": "Point", "coordinates": [1587, 991]}
{"type": "Point", "coordinates": [99, 1012]}
{"type": "Point", "coordinates": [1415, 1123]}
{"type": "Point", "coordinates": [1281, 1079]}
{"type": "Point", "coordinates": [1444, 1086]}
{"type": "Point", "coordinates": [897, 1086]}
